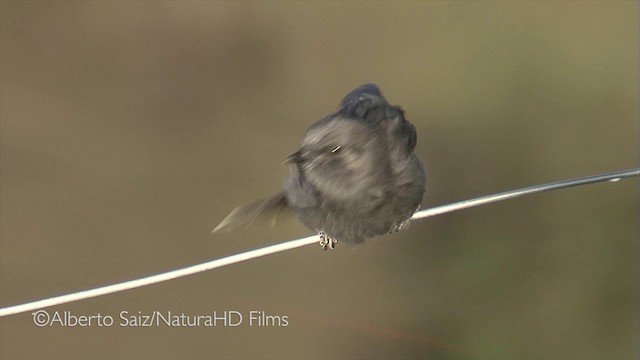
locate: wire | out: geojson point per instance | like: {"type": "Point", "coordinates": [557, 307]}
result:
{"type": "Point", "coordinates": [153, 279]}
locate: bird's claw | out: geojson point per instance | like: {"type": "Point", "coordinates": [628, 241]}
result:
{"type": "Point", "coordinates": [401, 226]}
{"type": "Point", "coordinates": [326, 242]}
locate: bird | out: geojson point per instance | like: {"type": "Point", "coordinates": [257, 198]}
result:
{"type": "Point", "coordinates": [355, 176]}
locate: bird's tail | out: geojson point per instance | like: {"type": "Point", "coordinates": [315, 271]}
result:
{"type": "Point", "coordinates": [266, 208]}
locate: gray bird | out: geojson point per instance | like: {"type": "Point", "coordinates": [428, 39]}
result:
{"type": "Point", "coordinates": [354, 177]}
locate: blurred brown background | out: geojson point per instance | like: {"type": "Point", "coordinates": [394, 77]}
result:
{"type": "Point", "coordinates": [129, 129]}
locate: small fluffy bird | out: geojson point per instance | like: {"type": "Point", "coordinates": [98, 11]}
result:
{"type": "Point", "coordinates": [355, 176]}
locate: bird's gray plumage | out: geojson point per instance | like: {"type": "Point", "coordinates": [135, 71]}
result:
{"type": "Point", "coordinates": [355, 175]}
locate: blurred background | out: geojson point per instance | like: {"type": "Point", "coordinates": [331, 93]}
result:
{"type": "Point", "coordinates": [130, 129]}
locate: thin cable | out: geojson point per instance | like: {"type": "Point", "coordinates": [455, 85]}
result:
{"type": "Point", "coordinates": [86, 294]}
{"type": "Point", "coordinates": [483, 200]}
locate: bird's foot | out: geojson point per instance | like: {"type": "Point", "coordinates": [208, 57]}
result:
{"type": "Point", "coordinates": [326, 242]}
{"type": "Point", "coordinates": [400, 226]}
